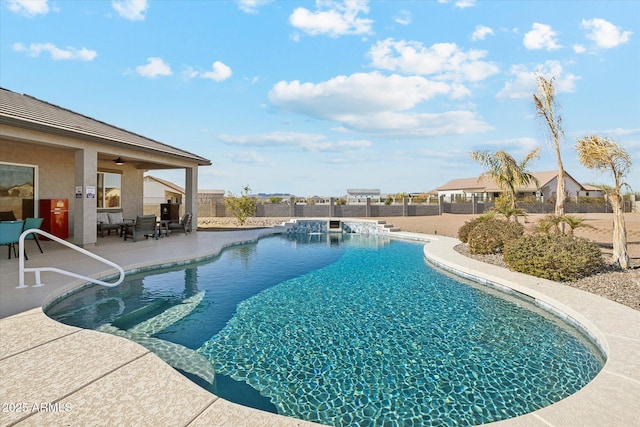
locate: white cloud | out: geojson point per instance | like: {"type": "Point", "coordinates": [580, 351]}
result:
{"type": "Point", "coordinates": [604, 34]}
{"type": "Point", "coordinates": [403, 17]}
{"type": "Point", "coordinates": [219, 73]}
{"type": "Point", "coordinates": [374, 103]}
{"type": "Point", "coordinates": [29, 8]}
{"type": "Point", "coordinates": [360, 92]}
{"type": "Point", "coordinates": [333, 18]}
{"type": "Point", "coordinates": [445, 60]}
{"type": "Point", "coordinates": [578, 48]}
{"type": "Point", "coordinates": [462, 4]}
{"type": "Point", "coordinates": [516, 146]}
{"type": "Point", "coordinates": [247, 157]}
{"type": "Point", "coordinates": [306, 141]}
{"type": "Point", "coordinates": [155, 67]}
{"type": "Point", "coordinates": [252, 6]}
{"type": "Point", "coordinates": [541, 36]}
{"type": "Point", "coordinates": [133, 10]}
{"type": "Point", "coordinates": [481, 32]}
{"type": "Point", "coordinates": [57, 54]}
{"type": "Point", "coordinates": [524, 83]}
{"type": "Point", "coordinates": [417, 125]}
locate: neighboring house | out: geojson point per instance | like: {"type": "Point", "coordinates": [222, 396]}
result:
{"type": "Point", "coordinates": [49, 152]}
{"type": "Point", "coordinates": [591, 191]}
{"type": "Point", "coordinates": [361, 195]}
{"type": "Point", "coordinates": [318, 200]}
{"type": "Point", "coordinates": [487, 189]}
{"type": "Point", "coordinates": [157, 191]}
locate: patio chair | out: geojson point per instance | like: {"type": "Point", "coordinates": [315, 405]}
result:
{"type": "Point", "coordinates": [33, 223]}
{"type": "Point", "coordinates": [144, 225]}
{"type": "Point", "coordinates": [10, 232]}
{"type": "Point", "coordinates": [111, 221]}
{"type": "Point", "coordinates": [184, 226]}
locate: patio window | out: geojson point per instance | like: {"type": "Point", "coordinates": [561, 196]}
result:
{"type": "Point", "coordinates": [109, 190]}
{"type": "Point", "coordinates": [18, 188]}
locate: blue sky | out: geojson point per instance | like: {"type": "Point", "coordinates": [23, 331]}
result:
{"type": "Point", "coordinates": [313, 98]}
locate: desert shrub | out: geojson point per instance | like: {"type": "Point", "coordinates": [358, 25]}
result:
{"type": "Point", "coordinates": [553, 256]}
{"type": "Point", "coordinates": [465, 229]}
{"type": "Point", "coordinates": [489, 237]}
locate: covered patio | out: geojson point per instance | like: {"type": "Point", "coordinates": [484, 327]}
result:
{"type": "Point", "coordinates": [91, 164]}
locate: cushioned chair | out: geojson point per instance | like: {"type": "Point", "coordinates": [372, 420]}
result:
{"type": "Point", "coordinates": [33, 223]}
{"type": "Point", "coordinates": [144, 225]}
{"type": "Point", "coordinates": [10, 232]}
{"type": "Point", "coordinates": [108, 221]}
{"type": "Point", "coordinates": [184, 226]}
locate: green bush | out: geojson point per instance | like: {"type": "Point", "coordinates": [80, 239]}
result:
{"type": "Point", "coordinates": [553, 256]}
{"type": "Point", "coordinates": [490, 236]}
{"type": "Point", "coordinates": [463, 232]}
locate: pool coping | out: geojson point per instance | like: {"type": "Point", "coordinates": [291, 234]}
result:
{"type": "Point", "coordinates": [97, 381]}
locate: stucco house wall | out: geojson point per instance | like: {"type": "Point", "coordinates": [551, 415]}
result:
{"type": "Point", "coordinates": [571, 188]}
{"type": "Point", "coordinates": [69, 149]}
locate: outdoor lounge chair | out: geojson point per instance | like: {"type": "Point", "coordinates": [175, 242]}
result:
{"type": "Point", "coordinates": [111, 221]}
{"type": "Point", "coordinates": [10, 232]}
{"type": "Point", "coordinates": [184, 226]}
{"type": "Point", "coordinates": [33, 223]}
{"type": "Point", "coordinates": [144, 225]}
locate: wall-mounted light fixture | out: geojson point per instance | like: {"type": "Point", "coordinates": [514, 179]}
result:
{"type": "Point", "coordinates": [119, 161]}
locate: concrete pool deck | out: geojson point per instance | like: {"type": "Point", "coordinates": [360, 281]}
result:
{"type": "Point", "coordinates": [54, 374]}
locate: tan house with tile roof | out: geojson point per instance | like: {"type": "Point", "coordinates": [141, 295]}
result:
{"type": "Point", "coordinates": [488, 189]}
{"type": "Point", "coordinates": [50, 152]}
{"type": "Point", "coordinates": [158, 190]}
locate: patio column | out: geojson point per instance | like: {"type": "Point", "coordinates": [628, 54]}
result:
{"type": "Point", "coordinates": [191, 194]}
{"type": "Point", "coordinates": [85, 203]}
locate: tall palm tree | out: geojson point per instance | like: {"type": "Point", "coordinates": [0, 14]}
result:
{"type": "Point", "coordinates": [601, 153]}
{"type": "Point", "coordinates": [506, 171]}
{"type": "Point", "coordinates": [545, 101]}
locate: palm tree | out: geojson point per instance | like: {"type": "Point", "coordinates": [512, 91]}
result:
{"type": "Point", "coordinates": [553, 222]}
{"type": "Point", "coordinates": [506, 171]}
{"type": "Point", "coordinates": [545, 101]}
{"type": "Point", "coordinates": [595, 152]}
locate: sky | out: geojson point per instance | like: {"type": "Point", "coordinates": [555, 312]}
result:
{"type": "Point", "coordinates": [317, 97]}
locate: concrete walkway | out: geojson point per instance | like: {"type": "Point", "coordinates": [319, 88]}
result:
{"type": "Point", "coordinates": [53, 374]}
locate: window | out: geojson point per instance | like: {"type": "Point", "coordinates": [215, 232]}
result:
{"type": "Point", "coordinates": [18, 187]}
{"type": "Point", "coordinates": [109, 190]}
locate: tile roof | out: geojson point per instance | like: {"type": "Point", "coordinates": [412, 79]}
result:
{"type": "Point", "coordinates": [29, 112]}
{"type": "Point", "coordinates": [166, 183]}
{"type": "Point", "coordinates": [475, 184]}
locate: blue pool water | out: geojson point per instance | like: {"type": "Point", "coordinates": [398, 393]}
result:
{"type": "Point", "coordinates": [344, 330]}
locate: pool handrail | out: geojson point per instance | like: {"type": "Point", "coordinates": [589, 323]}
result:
{"type": "Point", "coordinates": [37, 270]}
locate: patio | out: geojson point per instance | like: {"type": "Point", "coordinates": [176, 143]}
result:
{"type": "Point", "coordinates": [55, 374]}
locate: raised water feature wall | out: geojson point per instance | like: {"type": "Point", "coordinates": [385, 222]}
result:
{"type": "Point", "coordinates": [304, 226]}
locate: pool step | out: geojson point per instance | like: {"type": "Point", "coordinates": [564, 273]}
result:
{"type": "Point", "coordinates": [388, 227]}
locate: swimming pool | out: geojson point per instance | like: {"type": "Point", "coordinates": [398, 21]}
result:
{"type": "Point", "coordinates": [344, 329]}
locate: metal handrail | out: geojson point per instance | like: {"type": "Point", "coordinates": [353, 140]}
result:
{"type": "Point", "coordinates": [37, 270]}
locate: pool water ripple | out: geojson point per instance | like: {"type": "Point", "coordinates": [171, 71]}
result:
{"type": "Point", "coordinates": [379, 339]}
{"type": "Point", "coordinates": [344, 330]}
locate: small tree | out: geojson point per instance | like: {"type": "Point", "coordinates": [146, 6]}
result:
{"type": "Point", "coordinates": [241, 207]}
{"type": "Point", "coordinates": [545, 101]}
{"type": "Point", "coordinates": [506, 171]}
{"type": "Point", "coordinates": [601, 153]}
{"type": "Point", "coordinates": [504, 206]}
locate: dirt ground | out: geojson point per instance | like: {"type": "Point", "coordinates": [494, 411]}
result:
{"type": "Point", "coordinates": [599, 228]}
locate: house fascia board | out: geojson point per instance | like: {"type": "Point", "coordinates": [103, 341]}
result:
{"type": "Point", "coordinates": [84, 136]}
